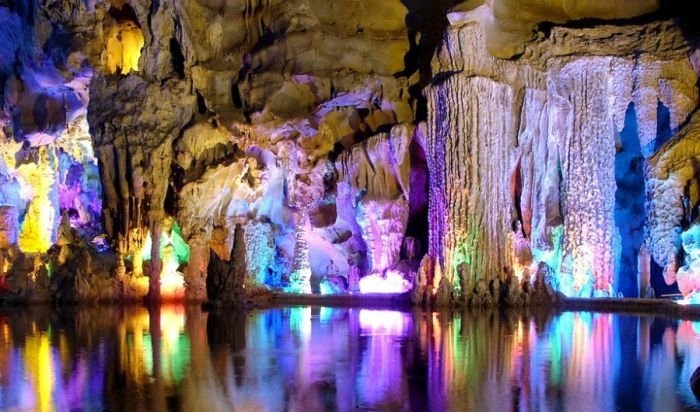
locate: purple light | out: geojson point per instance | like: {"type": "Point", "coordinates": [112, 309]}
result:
{"type": "Point", "coordinates": [392, 282]}
{"type": "Point", "coordinates": [384, 322]}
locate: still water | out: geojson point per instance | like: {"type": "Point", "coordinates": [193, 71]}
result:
{"type": "Point", "coordinates": [323, 359]}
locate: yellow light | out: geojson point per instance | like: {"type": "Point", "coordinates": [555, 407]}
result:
{"type": "Point", "coordinates": [172, 282]}
{"type": "Point", "coordinates": [172, 323]}
{"type": "Point", "coordinates": [132, 39]}
{"type": "Point", "coordinates": [124, 44]}
{"type": "Point", "coordinates": [38, 185]}
{"type": "Point", "coordinates": [40, 369]}
{"type": "Point", "coordinates": [133, 349]}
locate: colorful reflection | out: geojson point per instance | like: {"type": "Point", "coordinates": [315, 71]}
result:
{"type": "Point", "coordinates": [309, 359]}
{"type": "Point", "coordinates": [82, 359]}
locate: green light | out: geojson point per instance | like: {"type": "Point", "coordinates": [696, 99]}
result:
{"type": "Point", "coordinates": [182, 250]}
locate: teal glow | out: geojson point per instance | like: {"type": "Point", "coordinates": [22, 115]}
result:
{"type": "Point", "coordinates": [182, 250]}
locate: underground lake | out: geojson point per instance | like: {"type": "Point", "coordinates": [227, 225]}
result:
{"type": "Point", "coordinates": [180, 358]}
{"type": "Point", "coordinates": [349, 205]}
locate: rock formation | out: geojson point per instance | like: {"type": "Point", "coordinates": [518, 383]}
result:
{"type": "Point", "coordinates": [534, 142]}
{"type": "Point", "coordinates": [479, 152]}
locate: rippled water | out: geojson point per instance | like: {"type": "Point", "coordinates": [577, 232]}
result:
{"type": "Point", "coordinates": [316, 359]}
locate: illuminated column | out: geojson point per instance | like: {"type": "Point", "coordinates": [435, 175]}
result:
{"type": "Point", "coordinates": [580, 93]}
{"type": "Point", "coordinates": [301, 272]}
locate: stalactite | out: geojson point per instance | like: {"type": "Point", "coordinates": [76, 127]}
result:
{"type": "Point", "coordinates": [472, 204]}
{"type": "Point", "coordinates": [299, 279]}
{"type": "Point", "coordinates": [135, 153]}
{"type": "Point", "coordinates": [531, 143]}
{"type": "Point", "coordinates": [374, 193]}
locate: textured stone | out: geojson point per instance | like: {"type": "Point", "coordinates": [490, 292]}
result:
{"type": "Point", "coordinates": [672, 175]}
{"type": "Point", "coordinates": [532, 142]}
{"type": "Point", "coordinates": [322, 129]}
{"type": "Point", "coordinates": [9, 226]}
{"type": "Point", "coordinates": [374, 189]}
{"type": "Point", "coordinates": [226, 280]}
{"type": "Point", "coordinates": [511, 23]}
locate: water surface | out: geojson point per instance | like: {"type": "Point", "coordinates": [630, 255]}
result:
{"type": "Point", "coordinates": [322, 359]}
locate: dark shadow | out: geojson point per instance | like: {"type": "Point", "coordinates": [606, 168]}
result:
{"type": "Point", "coordinates": [663, 126]}
{"type": "Point", "coordinates": [685, 13]}
{"type": "Point", "coordinates": [426, 22]}
{"type": "Point", "coordinates": [59, 45]}
{"type": "Point", "coordinates": [658, 282]}
{"type": "Point", "coordinates": [226, 332]}
{"type": "Point", "coordinates": [692, 214]}
{"type": "Point", "coordinates": [177, 58]}
{"type": "Point", "coordinates": [627, 380]}
{"type": "Point", "coordinates": [418, 226]}
{"type": "Point", "coordinates": [123, 14]}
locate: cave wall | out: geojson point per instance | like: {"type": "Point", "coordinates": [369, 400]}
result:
{"type": "Point", "coordinates": [526, 148]}
{"type": "Point", "coordinates": [49, 175]}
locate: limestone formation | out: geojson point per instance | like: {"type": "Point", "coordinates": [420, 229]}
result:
{"type": "Point", "coordinates": [476, 152]}
{"type": "Point", "coordinates": [688, 276]}
{"type": "Point", "coordinates": [533, 142]}
{"type": "Point", "coordinates": [511, 23]}
{"type": "Point", "coordinates": [373, 194]}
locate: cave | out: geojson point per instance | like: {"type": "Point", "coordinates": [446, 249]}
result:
{"type": "Point", "coordinates": [412, 191]}
{"type": "Point", "coordinates": [353, 172]}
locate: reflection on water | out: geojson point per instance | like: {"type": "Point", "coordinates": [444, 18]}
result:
{"type": "Point", "coordinates": [317, 359]}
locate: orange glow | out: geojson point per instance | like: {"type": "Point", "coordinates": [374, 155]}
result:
{"type": "Point", "coordinates": [172, 282]}
{"type": "Point", "coordinates": [172, 251]}
{"type": "Point", "coordinates": [132, 352]}
{"type": "Point", "coordinates": [137, 346]}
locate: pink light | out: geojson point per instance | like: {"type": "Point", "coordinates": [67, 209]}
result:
{"type": "Point", "coordinates": [384, 322]}
{"type": "Point", "coordinates": [393, 282]}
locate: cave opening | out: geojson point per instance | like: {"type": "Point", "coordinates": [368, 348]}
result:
{"type": "Point", "coordinates": [629, 204]}
{"type": "Point", "coordinates": [418, 227]}
{"type": "Point", "coordinates": [177, 58]}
